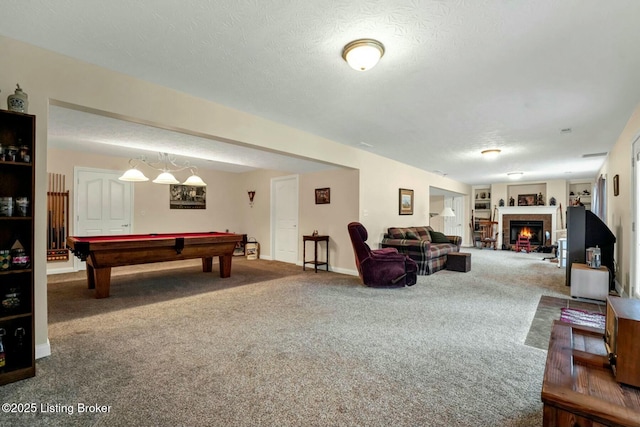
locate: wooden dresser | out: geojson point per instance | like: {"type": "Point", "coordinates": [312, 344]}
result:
{"type": "Point", "coordinates": [579, 389]}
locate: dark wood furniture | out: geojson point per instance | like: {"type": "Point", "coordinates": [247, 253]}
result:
{"type": "Point", "coordinates": [622, 338]}
{"type": "Point", "coordinates": [17, 180]}
{"type": "Point", "coordinates": [315, 262]}
{"type": "Point", "coordinates": [488, 233]}
{"type": "Point", "coordinates": [104, 252]}
{"type": "Point", "coordinates": [579, 388]}
{"type": "Point", "coordinates": [459, 261]}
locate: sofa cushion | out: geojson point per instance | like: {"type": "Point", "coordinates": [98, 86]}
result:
{"type": "Point", "coordinates": [398, 232]}
{"type": "Point", "coordinates": [437, 237]}
{"type": "Point", "coordinates": [423, 232]}
{"type": "Point", "coordinates": [412, 235]}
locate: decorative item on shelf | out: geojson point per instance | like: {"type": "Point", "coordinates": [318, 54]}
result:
{"type": "Point", "coordinates": [24, 153]}
{"type": "Point", "coordinates": [483, 195]}
{"type": "Point", "coordinates": [6, 206]}
{"type": "Point", "coordinates": [22, 206]}
{"type": "Point", "coordinates": [11, 300]}
{"type": "Point", "coordinates": [252, 194]}
{"type": "Point", "coordinates": [477, 195]}
{"type": "Point", "coordinates": [19, 333]}
{"type": "Point", "coordinates": [10, 153]}
{"type": "Point", "coordinates": [552, 201]}
{"type": "Point", "coordinates": [167, 165]}
{"type": "Point", "coordinates": [501, 203]}
{"type": "Point", "coordinates": [18, 101]}
{"type": "Point", "coordinates": [315, 233]}
{"type": "Point", "coordinates": [571, 193]}
{"type": "Point", "coordinates": [586, 193]}
{"type": "Point", "coordinates": [3, 360]}
{"type": "Point", "coordinates": [5, 259]}
{"type": "Point", "coordinates": [540, 200]}
{"type": "Point", "coordinates": [512, 201]}
{"type": "Point", "coordinates": [19, 257]}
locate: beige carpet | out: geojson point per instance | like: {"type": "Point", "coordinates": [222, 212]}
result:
{"type": "Point", "coordinates": [275, 346]}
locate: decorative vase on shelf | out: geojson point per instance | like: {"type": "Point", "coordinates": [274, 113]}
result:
{"type": "Point", "coordinates": [501, 203]}
{"type": "Point", "coordinates": [18, 101]}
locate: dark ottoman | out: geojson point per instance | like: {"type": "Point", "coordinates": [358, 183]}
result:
{"type": "Point", "coordinates": [459, 261]}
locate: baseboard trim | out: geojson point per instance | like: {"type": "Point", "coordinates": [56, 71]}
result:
{"type": "Point", "coordinates": [43, 350]}
{"type": "Point", "coordinates": [60, 270]}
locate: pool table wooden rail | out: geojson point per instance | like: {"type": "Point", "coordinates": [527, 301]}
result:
{"type": "Point", "coordinates": [101, 254]}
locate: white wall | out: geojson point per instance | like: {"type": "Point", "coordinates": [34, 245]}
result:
{"type": "Point", "coordinates": [619, 208]}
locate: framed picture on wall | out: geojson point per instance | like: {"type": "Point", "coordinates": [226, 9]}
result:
{"type": "Point", "coordinates": [323, 196]}
{"type": "Point", "coordinates": [527, 199]}
{"type": "Point", "coordinates": [187, 197]}
{"type": "Point", "coordinates": [405, 202]}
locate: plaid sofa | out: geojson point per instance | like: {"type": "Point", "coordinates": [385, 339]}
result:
{"type": "Point", "coordinates": [417, 243]}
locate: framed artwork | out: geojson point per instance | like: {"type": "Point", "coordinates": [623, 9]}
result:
{"type": "Point", "coordinates": [405, 202]}
{"type": "Point", "coordinates": [616, 185]}
{"type": "Point", "coordinates": [527, 199]}
{"type": "Point", "coordinates": [323, 196]}
{"type": "Point", "coordinates": [187, 197]}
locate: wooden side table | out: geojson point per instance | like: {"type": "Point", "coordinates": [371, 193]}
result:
{"type": "Point", "coordinates": [315, 262]}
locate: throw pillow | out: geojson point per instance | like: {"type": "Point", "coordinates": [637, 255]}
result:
{"type": "Point", "coordinates": [437, 237]}
{"type": "Point", "coordinates": [410, 235]}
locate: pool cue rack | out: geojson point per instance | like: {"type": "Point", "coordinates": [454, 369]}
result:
{"type": "Point", "coordinates": [57, 218]}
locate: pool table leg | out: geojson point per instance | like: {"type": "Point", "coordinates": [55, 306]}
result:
{"type": "Point", "coordinates": [207, 264]}
{"type": "Point", "coordinates": [102, 281]}
{"type": "Point", "coordinates": [225, 265]}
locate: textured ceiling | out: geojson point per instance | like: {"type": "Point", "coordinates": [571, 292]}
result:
{"type": "Point", "coordinates": [457, 76]}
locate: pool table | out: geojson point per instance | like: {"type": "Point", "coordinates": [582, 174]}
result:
{"type": "Point", "coordinates": [103, 252]}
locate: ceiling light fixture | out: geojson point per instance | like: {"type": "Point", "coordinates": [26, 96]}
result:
{"type": "Point", "coordinates": [491, 153]}
{"type": "Point", "coordinates": [167, 166]}
{"type": "Point", "coordinates": [363, 54]}
{"type": "Point", "coordinates": [515, 175]}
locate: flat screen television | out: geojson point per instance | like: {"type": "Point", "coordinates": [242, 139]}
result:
{"type": "Point", "coordinates": [586, 230]}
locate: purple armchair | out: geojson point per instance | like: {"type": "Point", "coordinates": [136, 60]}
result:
{"type": "Point", "coordinates": [380, 267]}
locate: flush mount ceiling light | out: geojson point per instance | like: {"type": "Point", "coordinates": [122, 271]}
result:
{"type": "Point", "coordinates": [363, 54]}
{"type": "Point", "coordinates": [167, 166]}
{"type": "Point", "coordinates": [491, 153]}
{"type": "Point", "coordinates": [515, 175]}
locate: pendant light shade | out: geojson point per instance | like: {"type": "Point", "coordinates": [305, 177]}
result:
{"type": "Point", "coordinates": [133, 175]}
{"type": "Point", "coordinates": [166, 178]}
{"type": "Point", "coordinates": [363, 54]}
{"type": "Point", "coordinates": [195, 180]}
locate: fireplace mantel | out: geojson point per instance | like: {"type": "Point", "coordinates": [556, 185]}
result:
{"type": "Point", "coordinates": [528, 210]}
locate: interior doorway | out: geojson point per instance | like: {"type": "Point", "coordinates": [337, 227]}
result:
{"type": "Point", "coordinates": [284, 218]}
{"type": "Point", "coordinates": [635, 250]}
{"type": "Point", "coordinates": [102, 205]}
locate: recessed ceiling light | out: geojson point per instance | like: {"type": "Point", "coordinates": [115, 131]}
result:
{"type": "Point", "coordinates": [515, 175]}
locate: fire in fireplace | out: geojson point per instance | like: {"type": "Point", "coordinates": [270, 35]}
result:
{"type": "Point", "coordinates": [530, 229]}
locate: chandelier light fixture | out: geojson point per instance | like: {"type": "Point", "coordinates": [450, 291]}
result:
{"type": "Point", "coordinates": [167, 166]}
{"type": "Point", "coordinates": [363, 54]}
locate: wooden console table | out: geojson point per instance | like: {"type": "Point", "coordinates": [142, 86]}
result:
{"type": "Point", "coordinates": [315, 262]}
{"type": "Point", "coordinates": [579, 388]}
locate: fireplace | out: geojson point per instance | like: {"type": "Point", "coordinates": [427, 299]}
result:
{"type": "Point", "coordinates": [528, 228]}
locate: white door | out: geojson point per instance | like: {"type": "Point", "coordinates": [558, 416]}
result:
{"type": "Point", "coordinates": [635, 252]}
{"type": "Point", "coordinates": [284, 223]}
{"type": "Point", "coordinates": [102, 205]}
{"type": "Point", "coordinates": [453, 225]}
